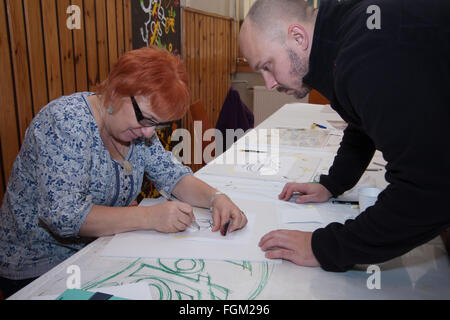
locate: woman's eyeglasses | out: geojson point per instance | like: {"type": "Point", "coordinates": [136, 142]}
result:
{"type": "Point", "coordinates": [146, 122]}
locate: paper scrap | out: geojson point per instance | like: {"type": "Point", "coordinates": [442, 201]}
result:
{"type": "Point", "coordinates": [298, 213]}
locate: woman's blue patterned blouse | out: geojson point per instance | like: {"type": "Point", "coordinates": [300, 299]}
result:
{"type": "Point", "coordinates": [61, 171]}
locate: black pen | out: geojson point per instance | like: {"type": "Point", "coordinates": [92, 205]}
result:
{"type": "Point", "coordinates": [257, 151]}
{"type": "Point", "coordinates": [379, 164]}
{"type": "Point", "coordinates": [345, 202]}
{"type": "Point", "coordinates": [224, 230]}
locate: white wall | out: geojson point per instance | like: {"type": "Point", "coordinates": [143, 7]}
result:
{"type": "Point", "coordinates": [245, 5]}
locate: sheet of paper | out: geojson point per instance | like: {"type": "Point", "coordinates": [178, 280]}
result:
{"type": "Point", "coordinates": [235, 187]}
{"type": "Point", "coordinates": [327, 109]}
{"type": "Point", "coordinates": [205, 221]}
{"type": "Point", "coordinates": [331, 212]}
{"type": "Point", "coordinates": [338, 124]}
{"type": "Point", "coordinates": [298, 213]}
{"type": "Point", "coordinates": [238, 245]}
{"type": "Point", "coordinates": [282, 167]}
{"type": "Point", "coordinates": [205, 234]}
{"type": "Point", "coordinates": [301, 137]}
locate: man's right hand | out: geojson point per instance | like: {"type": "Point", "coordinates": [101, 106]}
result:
{"type": "Point", "coordinates": [308, 192]}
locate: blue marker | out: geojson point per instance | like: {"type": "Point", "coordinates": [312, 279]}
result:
{"type": "Point", "coordinates": [320, 126]}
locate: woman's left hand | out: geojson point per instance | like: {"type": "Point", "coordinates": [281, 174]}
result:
{"type": "Point", "coordinates": [226, 215]}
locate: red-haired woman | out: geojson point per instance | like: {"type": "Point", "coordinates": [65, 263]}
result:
{"type": "Point", "coordinates": [82, 163]}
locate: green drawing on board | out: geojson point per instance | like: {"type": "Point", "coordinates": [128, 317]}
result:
{"type": "Point", "coordinates": [191, 279]}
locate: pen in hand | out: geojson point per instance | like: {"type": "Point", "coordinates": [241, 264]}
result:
{"type": "Point", "coordinates": [166, 196]}
{"type": "Point", "coordinates": [224, 229]}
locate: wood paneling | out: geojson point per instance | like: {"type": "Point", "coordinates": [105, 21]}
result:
{"type": "Point", "coordinates": [18, 45]}
{"type": "Point", "coordinates": [79, 47]}
{"type": "Point", "coordinates": [209, 56]}
{"type": "Point", "coordinates": [9, 137]}
{"type": "Point", "coordinates": [112, 32]}
{"type": "Point", "coordinates": [127, 25]}
{"type": "Point", "coordinates": [36, 54]}
{"type": "Point", "coordinates": [66, 49]}
{"type": "Point", "coordinates": [120, 28]}
{"type": "Point", "coordinates": [91, 44]}
{"type": "Point", "coordinates": [51, 42]}
{"type": "Point", "coordinates": [42, 59]}
{"type": "Point", "coordinates": [102, 39]}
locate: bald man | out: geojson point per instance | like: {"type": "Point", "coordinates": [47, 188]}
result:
{"type": "Point", "coordinates": [384, 66]}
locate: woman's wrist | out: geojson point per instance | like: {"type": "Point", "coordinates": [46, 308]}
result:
{"type": "Point", "coordinates": [213, 198]}
{"type": "Point", "coordinates": [146, 218]}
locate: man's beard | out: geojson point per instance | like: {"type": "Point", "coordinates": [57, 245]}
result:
{"type": "Point", "coordinates": [299, 68]}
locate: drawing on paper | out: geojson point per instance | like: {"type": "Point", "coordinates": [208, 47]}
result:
{"type": "Point", "coordinates": [205, 224]}
{"type": "Point", "coordinates": [191, 279]}
{"type": "Point", "coordinates": [283, 167]}
{"type": "Point", "coordinates": [300, 137]}
{"type": "Point", "coordinates": [262, 166]}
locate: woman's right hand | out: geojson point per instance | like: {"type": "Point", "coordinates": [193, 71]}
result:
{"type": "Point", "coordinates": [307, 192]}
{"type": "Point", "coordinates": [172, 216]}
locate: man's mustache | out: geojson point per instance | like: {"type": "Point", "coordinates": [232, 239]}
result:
{"type": "Point", "coordinates": [282, 89]}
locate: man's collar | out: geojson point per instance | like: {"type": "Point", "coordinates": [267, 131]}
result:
{"type": "Point", "coordinates": [323, 50]}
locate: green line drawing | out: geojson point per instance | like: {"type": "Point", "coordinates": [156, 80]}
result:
{"type": "Point", "coordinates": [191, 279]}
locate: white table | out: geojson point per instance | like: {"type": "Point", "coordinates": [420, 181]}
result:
{"type": "Point", "coordinates": [423, 273]}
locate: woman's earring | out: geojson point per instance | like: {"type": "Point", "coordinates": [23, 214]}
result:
{"type": "Point", "coordinates": [110, 110]}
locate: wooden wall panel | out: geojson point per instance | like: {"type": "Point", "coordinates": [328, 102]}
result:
{"type": "Point", "coordinates": [102, 39]}
{"type": "Point", "coordinates": [20, 64]}
{"type": "Point", "coordinates": [9, 138]}
{"type": "Point", "coordinates": [120, 28]}
{"type": "Point", "coordinates": [91, 44]}
{"type": "Point", "coordinates": [207, 45]}
{"type": "Point", "coordinates": [112, 32]}
{"type": "Point", "coordinates": [79, 48]}
{"type": "Point", "coordinates": [36, 54]}
{"type": "Point", "coordinates": [66, 49]}
{"type": "Point", "coordinates": [42, 59]}
{"type": "Point", "coordinates": [51, 42]}
{"type": "Point", "coordinates": [128, 33]}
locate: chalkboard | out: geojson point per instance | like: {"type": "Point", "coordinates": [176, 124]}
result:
{"type": "Point", "coordinates": [157, 22]}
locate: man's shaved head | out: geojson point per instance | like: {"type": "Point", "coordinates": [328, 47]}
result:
{"type": "Point", "coordinates": [271, 16]}
{"type": "Point", "coordinates": [276, 39]}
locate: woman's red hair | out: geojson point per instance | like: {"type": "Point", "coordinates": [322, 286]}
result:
{"type": "Point", "coordinates": [150, 72]}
